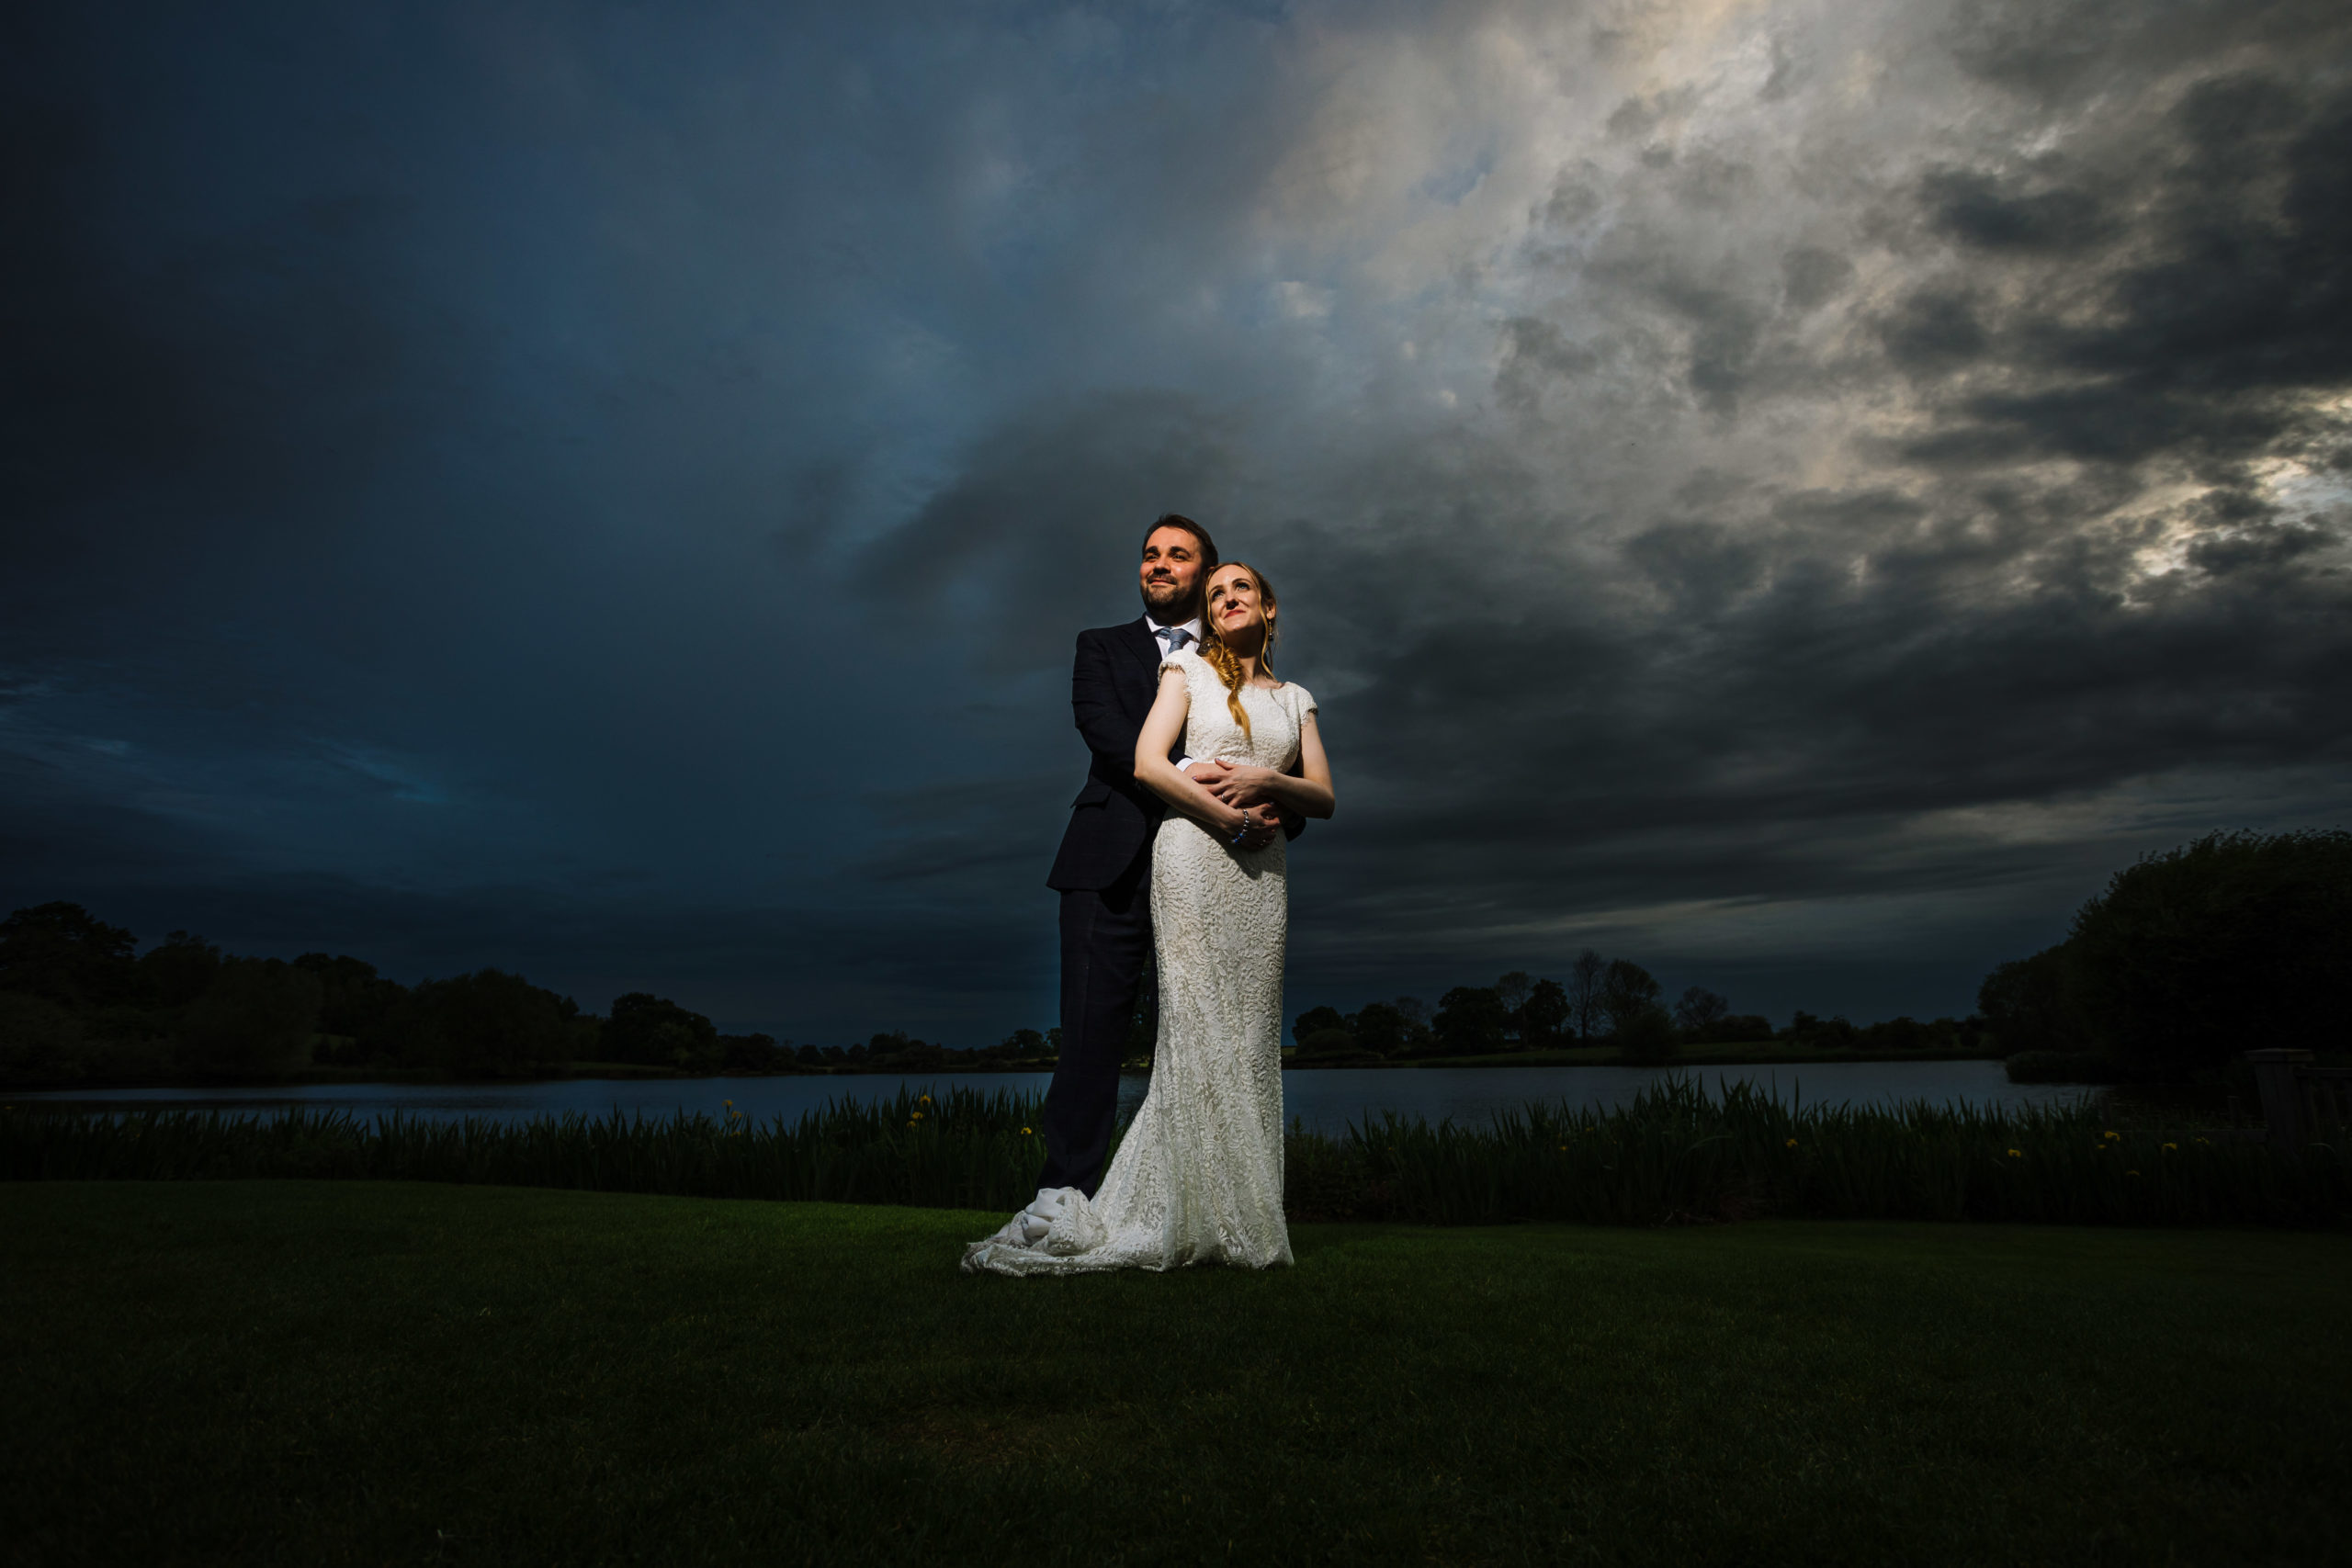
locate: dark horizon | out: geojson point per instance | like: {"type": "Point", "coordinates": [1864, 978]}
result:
{"type": "Point", "coordinates": [1795, 500]}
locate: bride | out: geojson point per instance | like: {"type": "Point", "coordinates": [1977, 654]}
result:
{"type": "Point", "coordinates": [1199, 1176]}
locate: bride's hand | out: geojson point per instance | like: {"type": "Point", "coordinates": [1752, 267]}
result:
{"type": "Point", "coordinates": [1249, 829]}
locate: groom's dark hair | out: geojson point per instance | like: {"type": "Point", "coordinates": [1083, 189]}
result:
{"type": "Point", "coordinates": [1178, 520]}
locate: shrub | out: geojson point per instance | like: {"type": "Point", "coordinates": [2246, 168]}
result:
{"type": "Point", "coordinates": [1327, 1042]}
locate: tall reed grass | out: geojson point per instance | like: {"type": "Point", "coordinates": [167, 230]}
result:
{"type": "Point", "coordinates": [1675, 1153]}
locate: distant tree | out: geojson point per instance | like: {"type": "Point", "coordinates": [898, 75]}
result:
{"type": "Point", "coordinates": [901, 1052]}
{"type": "Point", "coordinates": [1645, 1035]}
{"type": "Point", "coordinates": [64, 952]}
{"type": "Point", "coordinates": [1627, 991]}
{"type": "Point", "coordinates": [1833, 1033]}
{"type": "Point", "coordinates": [1699, 1010]}
{"type": "Point", "coordinates": [177, 970]}
{"type": "Point", "coordinates": [1513, 989]}
{"type": "Point", "coordinates": [1420, 1038]}
{"type": "Point", "coordinates": [1316, 1018]}
{"type": "Point", "coordinates": [39, 1041]}
{"type": "Point", "coordinates": [2235, 941]}
{"type": "Point", "coordinates": [1022, 1044]}
{"type": "Point", "coordinates": [1324, 1043]}
{"type": "Point", "coordinates": [1902, 1032]}
{"type": "Point", "coordinates": [752, 1053]}
{"type": "Point", "coordinates": [354, 999]}
{"type": "Point", "coordinates": [2029, 1004]}
{"type": "Point", "coordinates": [254, 1021]}
{"type": "Point", "coordinates": [810, 1056]}
{"type": "Point", "coordinates": [1380, 1029]}
{"type": "Point", "coordinates": [1469, 1020]}
{"type": "Point", "coordinates": [492, 1024]}
{"type": "Point", "coordinates": [657, 1031]}
{"type": "Point", "coordinates": [1741, 1026]}
{"type": "Point", "coordinates": [1543, 1013]}
{"type": "Point", "coordinates": [1587, 1005]}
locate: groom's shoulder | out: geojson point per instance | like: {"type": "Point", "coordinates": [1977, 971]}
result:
{"type": "Point", "coordinates": [1109, 634]}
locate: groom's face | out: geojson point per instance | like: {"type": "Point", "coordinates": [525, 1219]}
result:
{"type": "Point", "coordinates": [1171, 575]}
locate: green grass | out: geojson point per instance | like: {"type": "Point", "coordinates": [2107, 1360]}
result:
{"type": "Point", "coordinates": [307, 1372]}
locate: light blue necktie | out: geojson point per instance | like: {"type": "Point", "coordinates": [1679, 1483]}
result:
{"type": "Point", "coordinates": [1177, 638]}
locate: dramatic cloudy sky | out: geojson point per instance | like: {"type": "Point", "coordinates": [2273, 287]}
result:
{"type": "Point", "coordinates": [1792, 492]}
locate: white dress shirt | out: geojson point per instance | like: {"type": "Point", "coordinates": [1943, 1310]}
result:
{"type": "Point", "coordinates": [1192, 629]}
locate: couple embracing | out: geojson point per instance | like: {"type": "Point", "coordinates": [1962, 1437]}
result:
{"type": "Point", "coordinates": [1204, 764]}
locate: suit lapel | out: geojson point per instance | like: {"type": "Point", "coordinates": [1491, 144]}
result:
{"type": "Point", "coordinates": [1144, 645]}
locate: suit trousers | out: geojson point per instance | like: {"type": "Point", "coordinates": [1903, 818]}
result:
{"type": "Point", "coordinates": [1106, 943]}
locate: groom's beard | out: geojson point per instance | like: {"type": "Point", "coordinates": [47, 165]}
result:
{"type": "Point", "coordinates": [1168, 607]}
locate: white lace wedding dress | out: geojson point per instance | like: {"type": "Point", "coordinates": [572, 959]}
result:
{"type": "Point", "coordinates": [1199, 1176]}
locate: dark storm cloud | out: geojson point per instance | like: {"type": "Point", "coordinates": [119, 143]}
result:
{"type": "Point", "coordinates": [1797, 497]}
{"type": "Point", "coordinates": [2029, 597]}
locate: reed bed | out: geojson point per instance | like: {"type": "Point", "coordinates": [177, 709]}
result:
{"type": "Point", "coordinates": [1676, 1154]}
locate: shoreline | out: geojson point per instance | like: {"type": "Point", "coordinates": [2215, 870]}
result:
{"type": "Point", "coordinates": [1760, 1055]}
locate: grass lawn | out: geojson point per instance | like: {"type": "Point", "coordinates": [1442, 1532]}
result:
{"type": "Point", "coordinates": [375, 1373]}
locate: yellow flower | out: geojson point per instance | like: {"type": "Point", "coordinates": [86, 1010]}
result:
{"type": "Point", "coordinates": [1025, 1133]}
{"type": "Point", "coordinates": [2130, 1173]}
{"type": "Point", "coordinates": [2172, 1146]}
{"type": "Point", "coordinates": [924, 1099]}
{"type": "Point", "coordinates": [1564, 1148]}
{"type": "Point", "coordinates": [1792, 1142]}
{"type": "Point", "coordinates": [2016, 1154]}
{"type": "Point", "coordinates": [729, 1103]}
{"type": "Point", "coordinates": [2112, 1137]}
{"type": "Point", "coordinates": [918, 1118]}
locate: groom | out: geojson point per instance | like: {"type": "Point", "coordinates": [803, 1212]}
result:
{"type": "Point", "coordinates": [1103, 871]}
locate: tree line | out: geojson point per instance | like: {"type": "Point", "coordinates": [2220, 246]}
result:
{"type": "Point", "coordinates": [80, 1004]}
{"type": "Point", "coordinates": [1603, 1001]}
{"type": "Point", "coordinates": [2187, 960]}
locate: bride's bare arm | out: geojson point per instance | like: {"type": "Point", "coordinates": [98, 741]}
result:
{"type": "Point", "coordinates": [1306, 792]}
{"type": "Point", "coordinates": [1162, 728]}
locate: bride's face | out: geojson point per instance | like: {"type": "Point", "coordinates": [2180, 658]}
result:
{"type": "Point", "coordinates": [1233, 606]}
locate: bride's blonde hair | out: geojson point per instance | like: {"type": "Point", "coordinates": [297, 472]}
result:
{"type": "Point", "coordinates": [1223, 660]}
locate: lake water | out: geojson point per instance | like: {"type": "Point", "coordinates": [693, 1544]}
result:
{"type": "Point", "coordinates": [1325, 1100]}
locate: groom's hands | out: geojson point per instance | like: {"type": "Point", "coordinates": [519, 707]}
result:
{"type": "Point", "coordinates": [1242, 786]}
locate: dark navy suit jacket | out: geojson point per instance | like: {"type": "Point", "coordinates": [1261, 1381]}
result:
{"type": "Point", "coordinates": [1112, 683]}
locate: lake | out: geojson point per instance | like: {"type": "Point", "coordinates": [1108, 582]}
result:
{"type": "Point", "coordinates": [1326, 1099]}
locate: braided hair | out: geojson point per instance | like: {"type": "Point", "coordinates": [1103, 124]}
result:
{"type": "Point", "coordinates": [1223, 661]}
